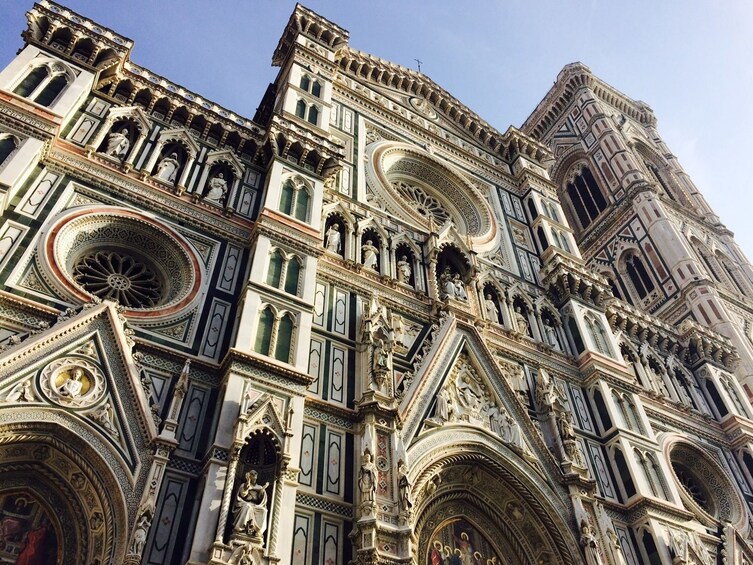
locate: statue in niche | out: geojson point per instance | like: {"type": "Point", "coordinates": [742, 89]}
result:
{"type": "Point", "coordinates": [404, 489]}
{"type": "Point", "coordinates": [520, 321]}
{"type": "Point", "coordinates": [72, 385]}
{"type": "Point", "coordinates": [332, 241]}
{"type": "Point", "coordinates": [367, 478]}
{"type": "Point", "coordinates": [370, 254]}
{"type": "Point", "coordinates": [217, 189]}
{"type": "Point", "coordinates": [140, 533]}
{"type": "Point", "coordinates": [589, 543]}
{"type": "Point", "coordinates": [447, 287]}
{"type": "Point", "coordinates": [545, 391]}
{"type": "Point", "coordinates": [118, 144]}
{"type": "Point", "coordinates": [565, 426]}
{"type": "Point", "coordinates": [551, 334]}
{"type": "Point", "coordinates": [250, 510]}
{"type": "Point", "coordinates": [492, 312]}
{"type": "Point", "coordinates": [459, 287]}
{"type": "Point", "coordinates": [168, 167]}
{"type": "Point", "coordinates": [403, 270]}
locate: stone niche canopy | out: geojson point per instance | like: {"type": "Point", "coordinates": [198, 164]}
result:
{"type": "Point", "coordinates": [415, 186]}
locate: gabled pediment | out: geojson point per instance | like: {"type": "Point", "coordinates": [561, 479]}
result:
{"type": "Point", "coordinates": [463, 384]}
{"type": "Point", "coordinates": [81, 370]}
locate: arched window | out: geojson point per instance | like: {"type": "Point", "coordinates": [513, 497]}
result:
{"type": "Point", "coordinates": [624, 473]}
{"type": "Point", "coordinates": [601, 409]}
{"type": "Point", "coordinates": [654, 558]}
{"type": "Point", "coordinates": [274, 274]}
{"type": "Point", "coordinates": [51, 90]}
{"type": "Point", "coordinates": [284, 338]}
{"type": "Point", "coordinates": [305, 83]}
{"type": "Point", "coordinates": [732, 272]}
{"type": "Point", "coordinates": [597, 334]}
{"type": "Point", "coordinates": [532, 209]}
{"type": "Point", "coordinates": [316, 89]}
{"type": "Point", "coordinates": [313, 117]}
{"type": "Point", "coordinates": [613, 286]}
{"type": "Point", "coordinates": [565, 244]}
{"type": "Point", "coordinates": [640, 278]}
{"type": "Point", "coordinates": [275, 334]}
{"type": "Point", "coordinates": [300, 109]}
{"type": "Point", "coordinates": [542, 238]}
{"type": "Point", "coordinates": [32, 80]}
{"type": "Point", "coordinates": [264, 331]}
{"type": "Point", "coordinates": [586, 197]}
{"type": "Point", "coordinates": [292, 276]}
{"type": "Point", "coordinates": [8, 145]}
{"type": "Point", "coordinates": [294, 200]}
{"type": "Point", "coordinates": [284, 271]}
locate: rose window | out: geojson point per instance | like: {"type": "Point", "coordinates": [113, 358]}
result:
{"type": "Point", "coordinates": [425, 204]}
{"type": "Point", "coordinates": [120, 255]}
{"type": "Point", "coordinates": [118, 276]}
{"type": "Point", "coordinates": [691, 486]}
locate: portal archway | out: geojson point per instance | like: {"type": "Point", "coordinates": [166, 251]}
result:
{"type": "Point", "coordinates": [468, 482]}
{"type": "Point", "coordinates": [58, 498]}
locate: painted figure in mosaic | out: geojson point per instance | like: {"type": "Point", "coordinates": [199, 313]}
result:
{"type": "Point", "coordinates": [250, 511]}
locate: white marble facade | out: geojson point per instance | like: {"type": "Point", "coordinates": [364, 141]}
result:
{"type": "Point", "coordinates": [366, 329]}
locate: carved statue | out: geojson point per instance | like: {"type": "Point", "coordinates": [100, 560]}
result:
{"type": "Point", "coordinates": [250, 510]}
{"type": "Point", "coordinates": [492, 312]}
{"type": "Point", "coordinates": [381, 357]}
{"type": "Point", "coordinates": [370, 254]}
{"type": "Point", "coordinates": [513, 435]}
{"type": "Point", "coordinates": [367, 478]}
{"type": "Point", "coordinates": [459, 287]}
{"type": "Point", "coordinates": [446, 284]}
{"type": "Point", "coordinates": [167, 168]}
{"type": "Point", "coordinates": [118, 144]}
{"type": "Point", "coordinates": [496, 420]}
{"type": "Point", "coordinates": [403, 270]}
{"type": "Point", "coordinates": [217, 189]}
{"type": "Point", "coordinates": [332, 241]}
{"type": "Point", "coordinates": [551, 334]}
{"type": "Point", "coordinates": [404, 488]}
{"type": "Point", "coordinates": [545, 393]}
{"type": "Point", "coordinates": [589, 543]}
{"type": "Point", "coordinates": [72, 385]}
{"type": "Point", "coordinates": [521, 322]}
{"type": "Point", "coordinates": [140, 533]}
{"type": "Point", "coordinates": [565, 426]}
{"type": "Point", "coordinates": [442, 410]}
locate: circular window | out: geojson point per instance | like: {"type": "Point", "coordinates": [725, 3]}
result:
{"type": "Point", "coordinates": [120, 255]}
{"type": "Point", "coordinates": [704, 486]}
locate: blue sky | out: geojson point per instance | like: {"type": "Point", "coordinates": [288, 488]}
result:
{"type": "Point", "coordinates": [690, 60]}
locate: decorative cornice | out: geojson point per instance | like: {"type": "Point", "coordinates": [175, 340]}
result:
{"type": "Point", "coordinates": [570, 80]}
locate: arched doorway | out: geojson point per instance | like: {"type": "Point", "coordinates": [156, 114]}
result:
{"type": "Point", "coordinates": [59, 500]}
{"type": "Point", "coordinates": [485, 504]}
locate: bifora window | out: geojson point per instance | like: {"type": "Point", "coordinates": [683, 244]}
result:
{"type": "Point", "coordinates": [586, 197]}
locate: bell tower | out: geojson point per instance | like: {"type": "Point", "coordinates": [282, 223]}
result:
{"type": "Point", "coordinates": [638, 218]}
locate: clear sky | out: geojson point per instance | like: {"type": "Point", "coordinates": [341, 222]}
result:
{"type": "Point", "coordinates": [690, 60]}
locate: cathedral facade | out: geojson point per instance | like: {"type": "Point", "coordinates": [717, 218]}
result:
{"type": "Point", "coordinates": [362, 326]}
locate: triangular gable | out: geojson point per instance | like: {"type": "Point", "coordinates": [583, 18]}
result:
{"type": "Point", "coordinates": [82, 369]}
{"type": "Point", "coordinates": [463, 384]}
